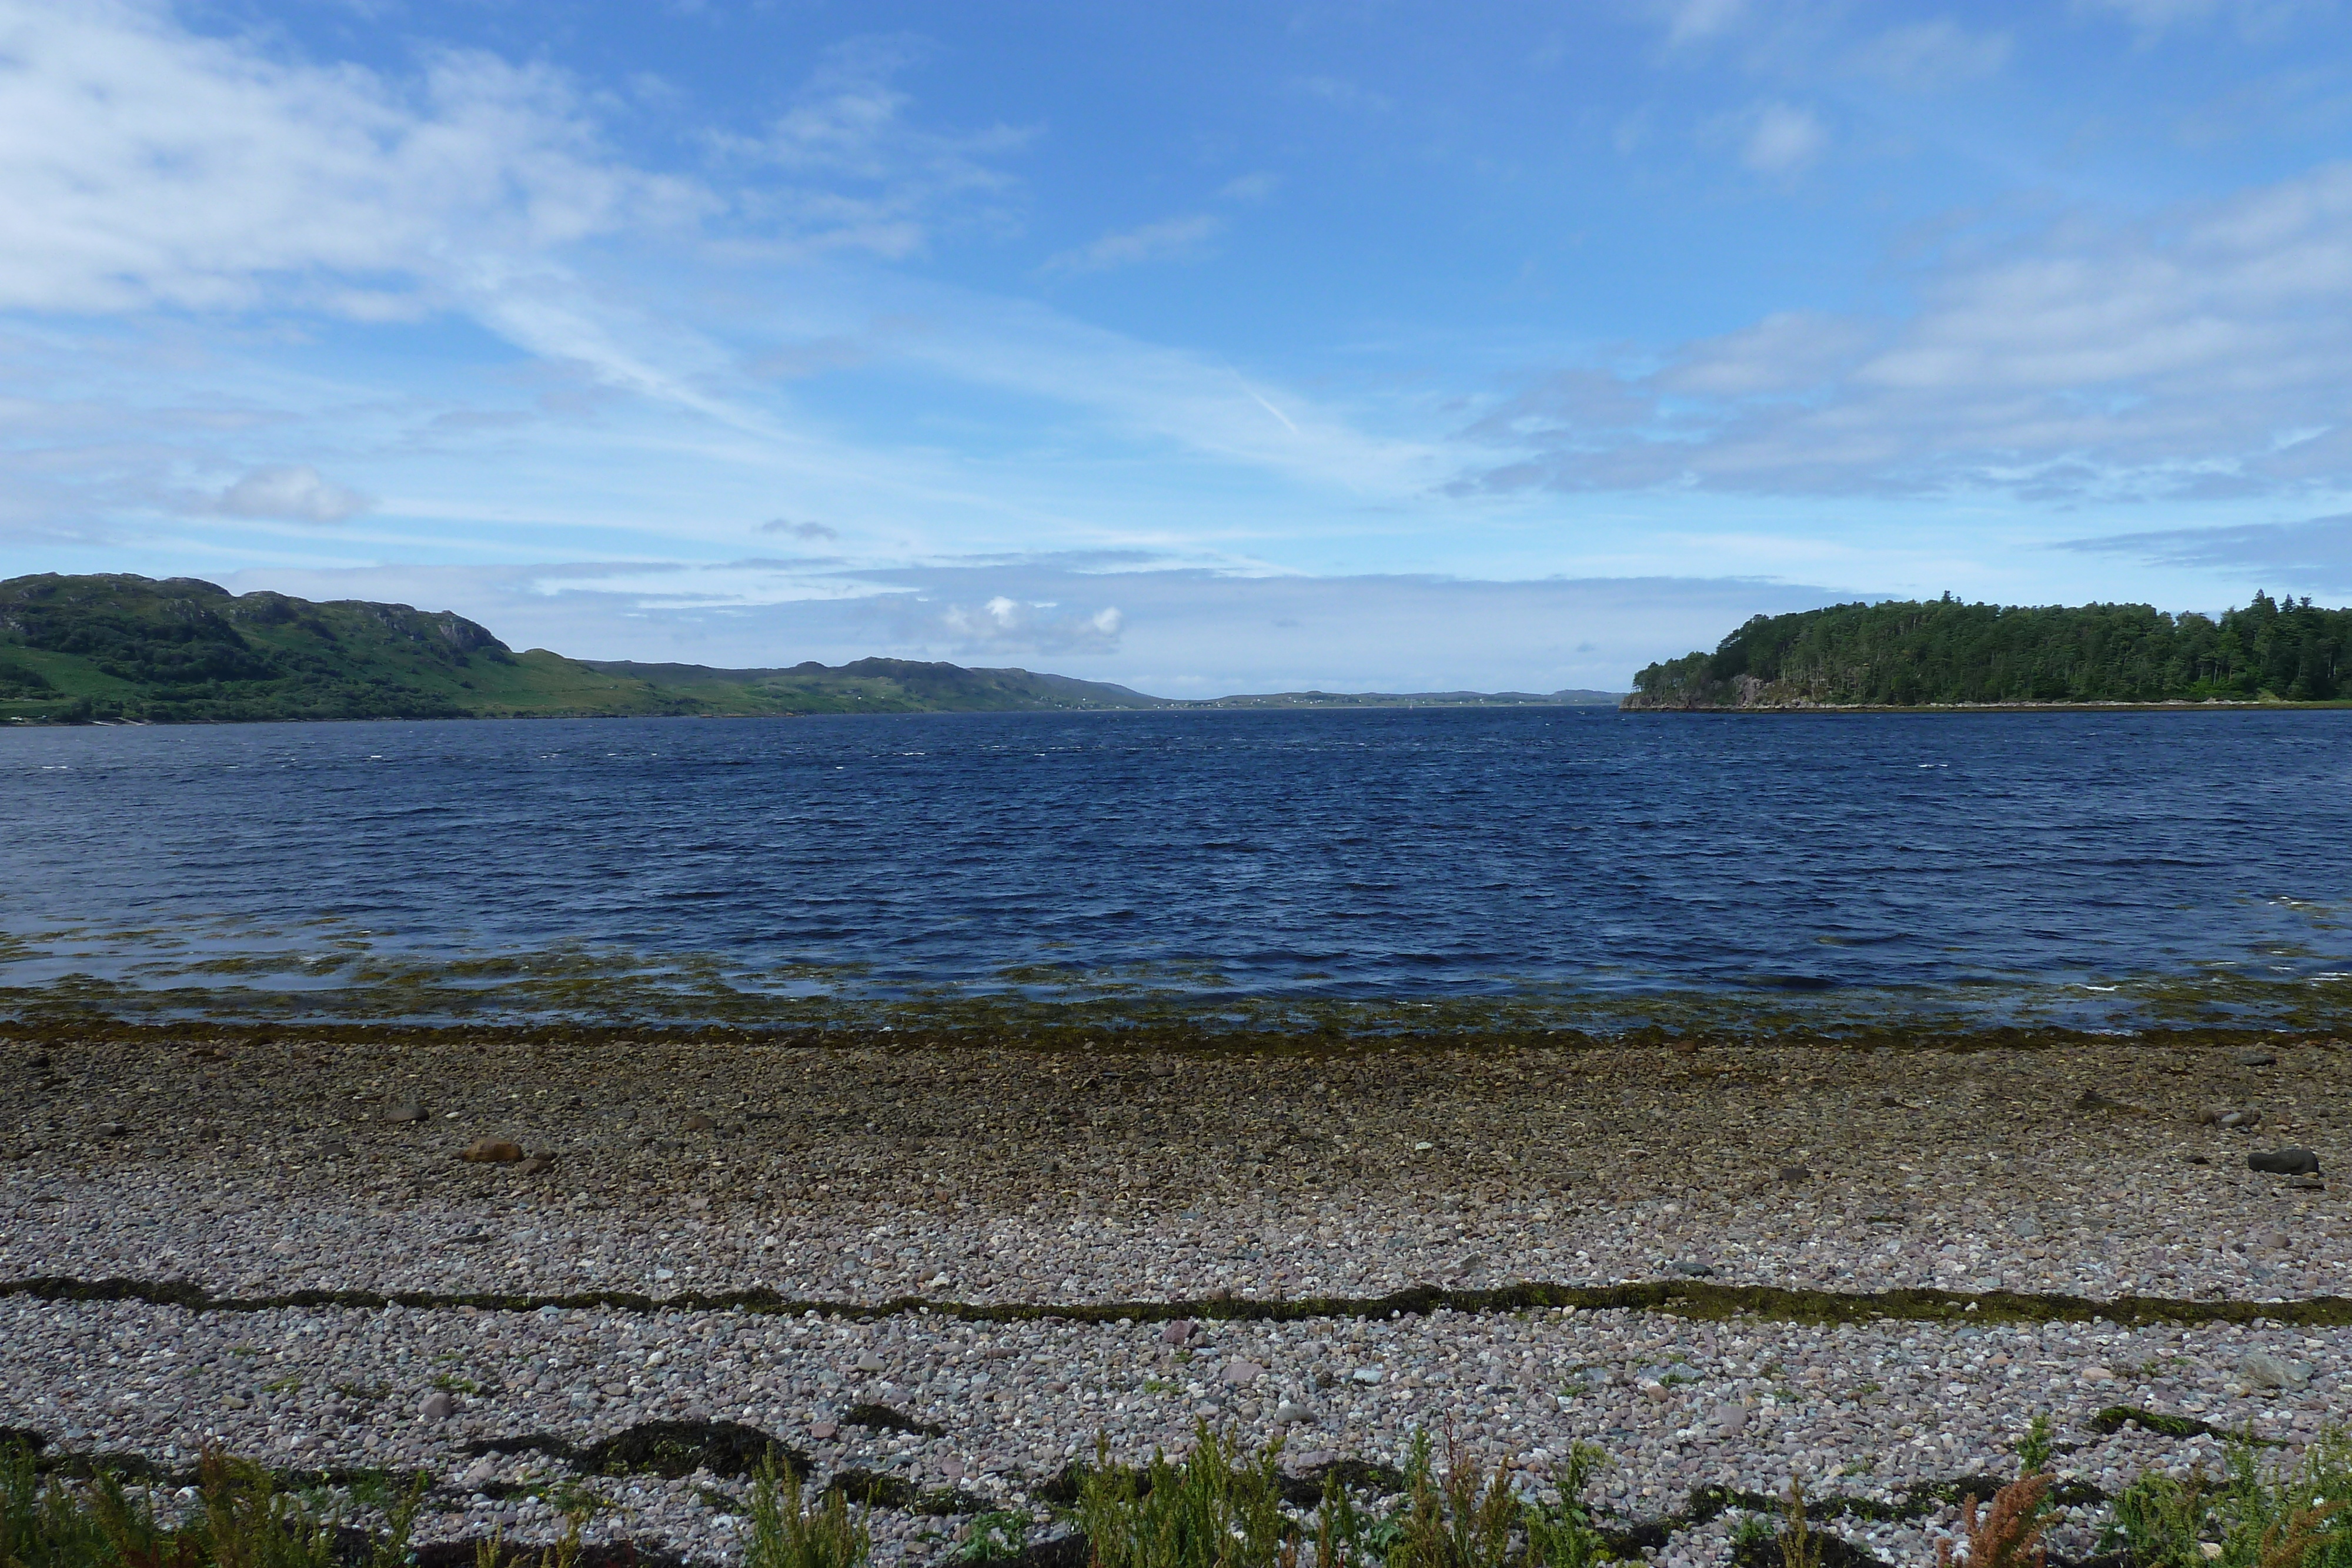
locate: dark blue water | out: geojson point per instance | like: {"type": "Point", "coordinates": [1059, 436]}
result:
{"type": "Point", "coordinates": [1990, 862]}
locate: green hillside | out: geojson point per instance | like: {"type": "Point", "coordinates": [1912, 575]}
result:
{"type": "Point", "coordinates": [1906, 654]}
{"type": "Point", "coordinates": [78, 649]}
{"type": "Point", "coordinates": [875, 686]}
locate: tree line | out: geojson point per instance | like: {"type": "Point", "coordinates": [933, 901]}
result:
{"type": "Point", "coordinates": [1915, 653]}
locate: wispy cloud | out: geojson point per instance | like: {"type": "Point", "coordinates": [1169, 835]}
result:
{"type": "Point", "coordinates": [1180, 239]}
{"type": "Point", "coordinates": [1782, 139]}
{"type": "Point", "coordinates": [863, 175]}
{"type": "Point", "coordinates": [1174, 629]}
{"type": "Point", "coordinates": [2311, 557]}
{"type": "Point", "coordinates": [2198, 353]}
{"type": "Point", "coordinates": [1344, 94]}
{"type": "Point", "coordinates": [1691, 21]}
{"type": "Point", "coordinates": [2154, 19]}
{"type": "Point", "coordinates": [1934, 54]}
{"type": "Point", "coordinates": [145, 165]}
{"type": "Point", "coordinates": [799, 530]}
{"type": "Point", "coordinates": [1005, 625]}
{"type": "Point", "coordinates": [295, 493]}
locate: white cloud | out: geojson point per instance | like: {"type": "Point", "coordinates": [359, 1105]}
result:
{"type": "Point", "coordinates": [2197, 354]}
{"type": "Point", "coordinates": [143, 164]}
{"type": "Point", "coordinates": [2311, 557]}
{"type": "Point", "coordinates": [1005, 625]}
{"type": "Point", "coordinates": [1178, 632]}
{"type": "Point", "coordinates": [1689, 21]}
{"type": "Point", "coordinates": [799, 530]}
{"type": "Point", "coordinates": [1932, 54]}
{"type": "Point", "coordinates": [881, 181]}
{"type": "Point", "coordinates": [1344, 94]}
{"type": "Point", "coordinates": [293, 494]}
{"type": "Point", "coordinates": [1255, 187]}
{"type": "Point", "coordinates": [146, 168]}
{"type": "Point", "coordinates": [2154, 15]}
{"type": "Point", "coordinates": [1170, 239]}
{"type": "Point", "coordinates": [2154, 19]}
{"type": "Point", "coordinates": [1782, 139]}
{"type": "Point", "coordinates": [140, 164]}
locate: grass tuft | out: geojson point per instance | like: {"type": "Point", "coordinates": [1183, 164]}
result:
{"type": "Point", "coordinates": [789, 1531]}
{"type": "Point", "coordinates": [241, 1520]}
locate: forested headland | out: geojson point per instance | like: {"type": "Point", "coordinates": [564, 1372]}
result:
{"type": "Point", "coordinates": [1913, 654]}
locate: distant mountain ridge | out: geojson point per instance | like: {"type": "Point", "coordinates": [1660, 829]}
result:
{"type": "Point", "coordinates": [1940, 653]}
{"type": "Point", "coordinates": [115, 646]}
{"type": "Point", "coordinates": [1571, 698]}
{"type": "Point", "coordinates": [875, 686]}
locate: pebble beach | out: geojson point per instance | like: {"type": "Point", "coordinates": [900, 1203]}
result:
{"type": "Point", "coordinates": [957, 1228]}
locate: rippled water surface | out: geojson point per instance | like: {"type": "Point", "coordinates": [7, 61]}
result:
{"type": "Point", "coordinates": [1996, 862]}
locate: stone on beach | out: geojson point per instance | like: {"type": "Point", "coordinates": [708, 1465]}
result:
{"type": "Point", "coordinates": [2293, 1160]}
{"type": "Point", "coordinates": [2263, 1370]}
{"type": "Point", "coordinates": [492, 1151]}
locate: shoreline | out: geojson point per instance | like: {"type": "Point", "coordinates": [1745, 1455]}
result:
{"type": "Point", "coordinates": [1761, 1261]}
{"type": "Point", "coordinates": [2179, 704]}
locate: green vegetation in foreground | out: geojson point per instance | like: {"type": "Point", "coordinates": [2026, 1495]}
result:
{"type": "Point", "coordinates": [241, 1519]}
{"type": "Point", "coordinates": [1222, 1507]}
{"type": "Point", "coordinates": [1942, 652]}
{"type": "Point", "coordinates": [115, 647]}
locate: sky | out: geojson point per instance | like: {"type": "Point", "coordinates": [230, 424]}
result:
{"type": "Point", "coordinates": [1201, 348]}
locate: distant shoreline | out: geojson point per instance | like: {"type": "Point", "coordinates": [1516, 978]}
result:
{"type": "Point", "coordinates": [1785, 709]}
{"type": "Point", "coordinates": [1168, 706]}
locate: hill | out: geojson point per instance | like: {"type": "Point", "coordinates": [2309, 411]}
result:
{"type": "Point", "coordinates": [182, 650]}
{"type": "Point", "coordinates": [875, 686]}
{"type": "Point", "coordinates": [1409, 699]}
{"type": "Point", "coordinates": [116, 646]}
{"type": "Point", "coordinates": [1944, 652]}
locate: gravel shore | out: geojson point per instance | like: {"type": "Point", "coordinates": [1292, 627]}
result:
{"type": "Point", "coordinates": [860, 1174]}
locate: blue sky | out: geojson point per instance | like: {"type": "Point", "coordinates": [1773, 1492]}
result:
{"type": "Point", "coordinates": [1203, 347]}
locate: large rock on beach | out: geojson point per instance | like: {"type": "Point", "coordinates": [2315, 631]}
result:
{"type": "Point", "coordinates": [2263, 1370]}
{"type": "Point", "coordinates": [2290, 1161]}
{"type": "Point", "coordinates": [491, 1152]}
